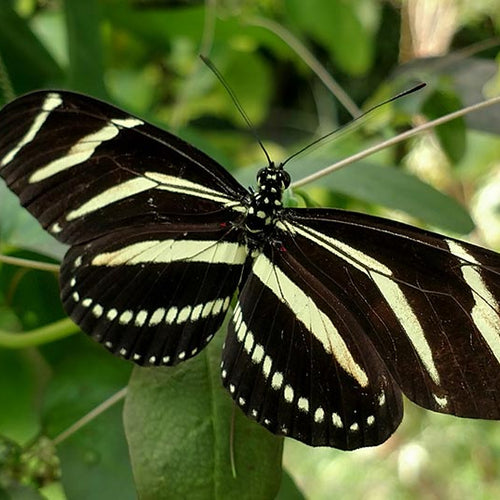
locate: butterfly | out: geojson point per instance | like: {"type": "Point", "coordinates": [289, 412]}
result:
{"type": "Point", "coordinates": [337, 313]}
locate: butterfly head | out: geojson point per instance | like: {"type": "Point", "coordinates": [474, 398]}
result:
{"type": "Point", "coordinates": [274, 179]}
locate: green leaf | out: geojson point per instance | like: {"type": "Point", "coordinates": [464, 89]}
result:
{"type": "Point", "coordinates": [20, 394]}
{"type": "Point", "coordinates": [451, 135]}
{"type": "Point", "coordinates": [289, 490]}
{"type": "Point", "coordinates": [32, 295]}
{"type": "Point", "coordinates": [94, 459]}
{"type": "Point", "coordinates": [335, 24]}
{"type": "Point", "coordinates": [84, 375]}
{"type": "Point", "coordinates": [27, 61]}
{"type": "Point", "coordinates": [83, 21]}
{"type": "Point", "coordinates": [178, 424]}
{"type": "Point", "coordinates": [18, 228]}
{"type": "Point", "coordinates": [396, 189]}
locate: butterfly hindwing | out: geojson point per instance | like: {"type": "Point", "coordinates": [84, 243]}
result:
{"type": "Point", "coordinates": [84, 168]}
{"type": "Point", "coordinates": [429, 304]}
{"type": "Point", "coordinates": [297, 360]}
{"type": "Point", "coordinates": [153, 295]}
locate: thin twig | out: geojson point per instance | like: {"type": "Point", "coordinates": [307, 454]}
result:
{"type": "Point", "coordinates": [208, 27]}
{"type": "Point", "coordinates": [91, 415]}
{"type": "Point", "coordinates": [299, 48]}
{"type": "Point", "coordinates": [32, 264]}
{"type": "Point", "coordinates": [395, 140]}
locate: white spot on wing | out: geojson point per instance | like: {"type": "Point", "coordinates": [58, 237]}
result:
{"type": "Point", "coordinates": [319, 415]}
{"type": "Point", "coordinates": [288, 393]}
{"type": "Point", "coordinates": [97, 310]}
{"type": "Point", "coordinates": [55, 228]}
{"type": "Point", "coordinates": [381, 398]}
{"type": "Point", "coordinates": [141, 317]}
{"type": "Point", "coordinates": [196, 312]}
{"type": "Point", "coordinates": [171, 315]}
{"type": "Point", "coordinates": [248, 341]}
{"type": "Point", "coordinates": [337, 421]}
{"type": "Point", "coordinates": [266, 366]}
{"type": "Point", "coordinates": [258, 354]}
{"type": "Point", "coordinates": [126, 317]}
{"type": "Point", "coordinates": [303, 404]}
{"type": "Point", "coordinates": [277, 380]}
{"type": "Point", "coordinates": [441, 401]}
{"type": "Point", "coordinates": [157, 316]}
{"type": "Point", "coordinates": [183, 315]}
{"type": "Point", "coordinates": [112, 314]}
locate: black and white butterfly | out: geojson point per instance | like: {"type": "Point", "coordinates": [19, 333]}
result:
{"type": "Point", "coordinates": [338, 313]}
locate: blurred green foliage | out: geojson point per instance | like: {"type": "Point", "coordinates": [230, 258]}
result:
{"type": "Point", "coordinates": [142, 55]}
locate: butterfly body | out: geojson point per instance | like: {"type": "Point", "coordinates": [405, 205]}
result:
{"type": "Point", "coordinates": [337, 314]}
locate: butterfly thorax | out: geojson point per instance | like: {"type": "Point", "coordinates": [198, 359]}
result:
{"type": "Point", "coordinates": [266, 203]}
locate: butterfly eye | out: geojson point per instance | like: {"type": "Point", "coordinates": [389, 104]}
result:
{"type": "Point", "coordinates": [285, 179]}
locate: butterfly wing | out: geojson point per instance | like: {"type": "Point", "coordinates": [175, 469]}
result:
{"type": "Point", "coordinates": [296, 359]}
{"type": "Point", "coordinates": [155, 295]}
{"type": "Point", "coordinates": [359, 307]}
{"type": "Point", "coordinates": [430, 304]}
{"type": "Point", "coordinates": [84, 168]}
{"type": "Point", "coordinates": [156, 254]}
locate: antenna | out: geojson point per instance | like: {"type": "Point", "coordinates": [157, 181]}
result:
{"type": "Point", "coordinates": [354, 120]}
{"type": "Point", "coordinates": [237, 103]}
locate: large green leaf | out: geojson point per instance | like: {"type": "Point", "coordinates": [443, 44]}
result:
{"type": "Point", "coordinates": [178, 424]}
{"type": "Point", "coordinates": [94, 459]}
{"type": "Point", "coordinates": [95, 462]}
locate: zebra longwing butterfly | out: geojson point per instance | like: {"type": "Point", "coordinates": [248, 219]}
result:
{"type": "Point", "coordinates": [338, 313]}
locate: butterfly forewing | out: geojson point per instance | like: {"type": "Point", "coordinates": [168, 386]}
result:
{"type": "Point", "coordinates": [429, 304]}
{"type": "Point", "coordinates": [156, 259]}
{"type": "Point", "coordinates": [100, 169]}
{"type": "Point", "coordinates": [317, 377]}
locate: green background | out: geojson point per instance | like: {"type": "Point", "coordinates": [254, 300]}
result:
{"type": "Point", "coordinates": [177, 435]}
